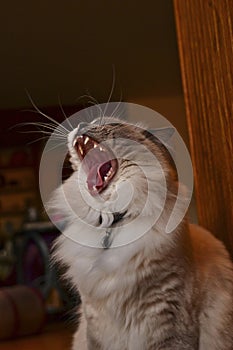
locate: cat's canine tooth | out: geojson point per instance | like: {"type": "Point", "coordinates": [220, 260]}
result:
{"type": "Point", "coordinates": [81, 150]}
{"type": "Point", "coordinates": [101, 149]}
{"type": "Point", "coordinates": [86, 140]}
{"type": "Point", "coordinates": [109, 172]}
{"type": "Point", "coordinates": [95, 144]}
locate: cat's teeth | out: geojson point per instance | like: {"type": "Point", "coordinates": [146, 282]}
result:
{"type": "Point", "coordinates": [101, 149]}
{"type": "Point", "coordinates": [109, 172]}
{"type": "Point", "coordinates": [95, 145]}
{"type": "Point", "coordinates": [106, 177]}
{"type": "Point", "coordinates": [81, 150]}
{"type": "Point", "coordinates": [86, 140]}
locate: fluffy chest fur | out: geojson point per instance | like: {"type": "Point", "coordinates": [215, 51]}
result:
{"type": "Point", "coordinates": [136, 294]}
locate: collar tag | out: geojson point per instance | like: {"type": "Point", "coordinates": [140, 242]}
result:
{"type": "Point", "coordinates": [106, 241]}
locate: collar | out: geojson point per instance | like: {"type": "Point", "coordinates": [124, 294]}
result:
{"type": "Point", "coordinates": [107, 239]}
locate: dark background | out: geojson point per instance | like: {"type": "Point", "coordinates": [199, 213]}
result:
{"type": "Point", "coordinates": [55, 48]}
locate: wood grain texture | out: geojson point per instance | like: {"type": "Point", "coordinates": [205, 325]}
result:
{"type": "Point", "coordinates": [205, 41]}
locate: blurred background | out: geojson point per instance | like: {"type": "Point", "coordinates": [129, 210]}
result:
{"type": "Point", "coordinates": [58, 52]}
{"type": "Point", "coordinates": [63, 51]}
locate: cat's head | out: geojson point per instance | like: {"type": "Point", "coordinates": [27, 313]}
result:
{"type": "Point", "coordinates": [105, 149]}
{"type": "Point", "coordinates": [121, 170]}
{"type": "Point", "coordinates": [124, 184]}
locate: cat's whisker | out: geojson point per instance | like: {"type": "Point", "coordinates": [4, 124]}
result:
{"type": "Point", "coordinates": [37, 140]}
{"type": "Point", "coordinates": [58, 136]}
{"type": "Point", "coordinates": [52, 127]}
{"type": "Point", "coordinates": [114, 113]}
{"type": "Point", "coordinates": [45, 115]}
{"type": "Point", "coordinates": [101, 115]}
{"type": "Point", "coordinates": [64, 114]}
{"type": "Point", "coordinates": [91, 115]}
{"type": "Point", "coordinates": [93, 102]}
{"type": "Point", "coordinates": [111, 92]}
{"type": "Point", "coordinates": [91, 98]}
{"type": "Point", "coordinates": [61, 144]}
{"type": "Point", "coordinates": [90, 112]}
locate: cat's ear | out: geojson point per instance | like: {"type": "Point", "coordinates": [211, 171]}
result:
{"type": "Point", "coordinates": [163, 134]}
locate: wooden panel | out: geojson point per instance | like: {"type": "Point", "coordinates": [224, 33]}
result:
{"type": "Point", "coordinates": [205, 40]}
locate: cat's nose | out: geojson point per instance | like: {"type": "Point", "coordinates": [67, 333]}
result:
{"type": "Point", "coordinates": [81, 128]}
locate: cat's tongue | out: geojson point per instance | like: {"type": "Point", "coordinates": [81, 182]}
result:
{"type": "Point", "coordinates": [97, 165]}
{"type": "Point", "coordinates": [94, 179]}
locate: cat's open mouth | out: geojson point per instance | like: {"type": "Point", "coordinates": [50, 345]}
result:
{"type": "Point", "coordinates": [99, 163]}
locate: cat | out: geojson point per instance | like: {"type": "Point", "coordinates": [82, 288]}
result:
{"type": "Point", "coordinates": [159, 291]}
